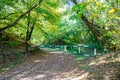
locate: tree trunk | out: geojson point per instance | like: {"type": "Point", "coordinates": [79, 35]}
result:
{"type": "Point", "coordinates": [91, 27]}
{"type": "Point", "coordinates": [27, 33]}
{"type": "Point", "coordinates": [31, 31]}
{"type": "Point", "coordinates": [89, 24]}
{"type": "Point", "coordinates": [30, 28]}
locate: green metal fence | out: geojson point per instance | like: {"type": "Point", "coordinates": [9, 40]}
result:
{"type": "Point", "coordinates": [84, 50]}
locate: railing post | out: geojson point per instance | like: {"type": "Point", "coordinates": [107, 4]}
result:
{"type": "Point", "coordinates": [79, 50]}
{"type": "Point", "coordinates": [65, 48]}
{"type": "Point", "coordinates": [95, 52]}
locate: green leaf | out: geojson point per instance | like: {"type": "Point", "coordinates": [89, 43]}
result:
{"type": "Point", "coordinates": [80, 8]}
{"type": "Point", "coordinates": [103, 8]}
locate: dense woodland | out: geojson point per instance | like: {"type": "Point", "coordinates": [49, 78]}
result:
{"type": "Point", "coordinates": [60, 22]}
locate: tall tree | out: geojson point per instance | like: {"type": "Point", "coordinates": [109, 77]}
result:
{"type": "Point", "coordinates": [89, 24]}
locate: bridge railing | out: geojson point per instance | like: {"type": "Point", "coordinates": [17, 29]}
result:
{"type": "Point", "coordinates": [87, 50]}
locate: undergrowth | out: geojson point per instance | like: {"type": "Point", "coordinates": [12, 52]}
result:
{"type": "Point", "coordinates": [10, 60]}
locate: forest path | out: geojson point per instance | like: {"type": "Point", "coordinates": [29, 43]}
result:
{"type": "Point", "coordinates": [58, 65]}
{"type": "Point", "coordinates": [53, 65]}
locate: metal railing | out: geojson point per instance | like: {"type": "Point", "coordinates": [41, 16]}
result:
{"type": "Point", "coordinates": [86, 50]}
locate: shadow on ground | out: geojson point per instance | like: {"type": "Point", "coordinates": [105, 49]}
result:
{"type": "Point", "coordinates": [57, 65]}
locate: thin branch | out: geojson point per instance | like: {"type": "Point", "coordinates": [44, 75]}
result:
{"type": "Point", "coordinates": [20, 17]}
{"type": "Point", "coordinates": [6, 16]}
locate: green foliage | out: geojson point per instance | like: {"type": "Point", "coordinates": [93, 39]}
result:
{"type": "Point", "coordinates": [13, 43]}
{"type": "Point", "coordinates": [80, 8]}
{"type": "Point", "coordinates": [47, 15]}
{"type": "Point", "coordinates": [18, 56]}
{"type": "Point", "coordinates": [57, 24]}
{"type": "Point", "coordinates": [104, 14]}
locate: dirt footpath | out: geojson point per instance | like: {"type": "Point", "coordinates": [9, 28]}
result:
{"type": "Point", "coordinates": [58, 65]}
{"type": "Point", "coordinates": [55, 65]}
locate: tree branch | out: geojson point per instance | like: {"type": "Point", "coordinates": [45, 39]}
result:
{"type": "Point", "coordinates": [6, 16]}
{"type": "Point", "coordinates": [91, 26]}
{"type": "Point", "coordinates": [20, 17]}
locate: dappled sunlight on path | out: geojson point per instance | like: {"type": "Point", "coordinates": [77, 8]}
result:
{"type": "Point", "coordinates": [58, 65]}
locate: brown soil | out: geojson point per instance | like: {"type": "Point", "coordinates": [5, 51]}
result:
{"type": "Point", "coordinates": [57, 65]}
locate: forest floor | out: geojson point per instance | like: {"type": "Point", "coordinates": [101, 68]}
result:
{"type": "Point", "coordinates": [58, 65]}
